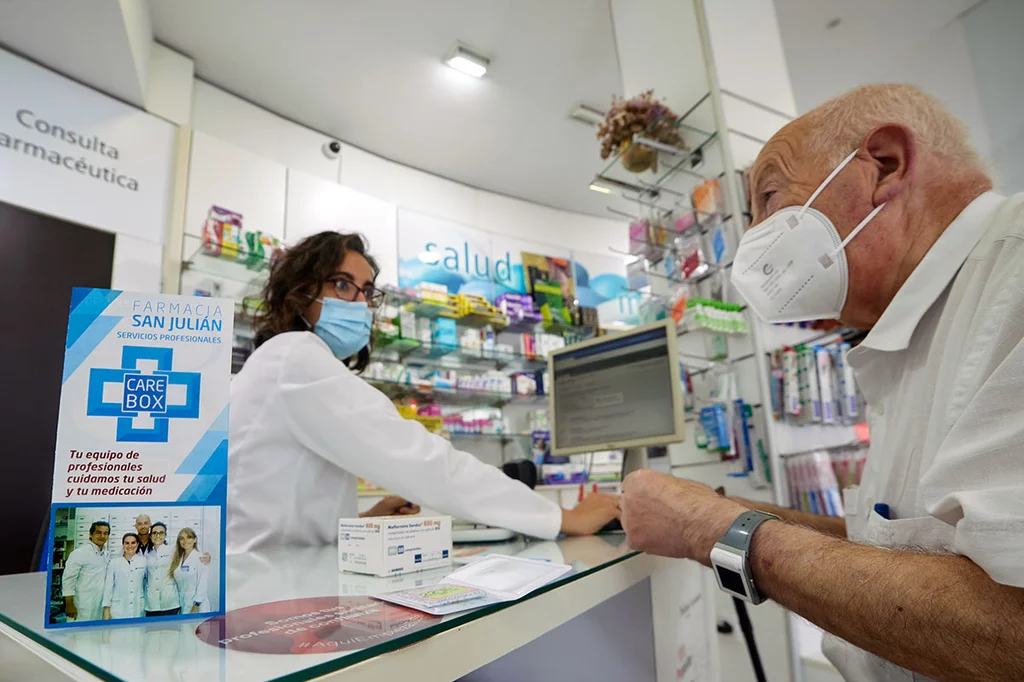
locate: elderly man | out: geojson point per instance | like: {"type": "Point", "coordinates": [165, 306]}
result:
{"type": "Point", "coordinates": [904, 239]}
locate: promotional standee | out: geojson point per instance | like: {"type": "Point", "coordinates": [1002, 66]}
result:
{"type": "Point", "coordinates": [140, 476]}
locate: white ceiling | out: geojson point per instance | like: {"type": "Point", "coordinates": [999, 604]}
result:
{"type": "Point", "coordinates": [86, 40]}
{"type": "Point", "coordinates": [370, 73]}
{"type": "Point", "coordinates": [877, 41]}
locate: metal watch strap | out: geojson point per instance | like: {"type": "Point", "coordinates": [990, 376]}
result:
{"type": "Point", "coordinates": [742, 529]}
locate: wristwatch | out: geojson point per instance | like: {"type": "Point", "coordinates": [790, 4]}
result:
{"type": "Point", "coordinates": [731, 559]}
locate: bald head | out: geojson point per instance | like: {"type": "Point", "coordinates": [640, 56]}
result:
{"type": "Point", "coordinates": [911, 155]}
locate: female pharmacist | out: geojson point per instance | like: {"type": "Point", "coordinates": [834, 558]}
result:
{"type": "Point", "coordinates": [189, 573]}
{"type": "Point", "coordinates": [122, 589]}
{"type": "Point", "coordinates": [304, 425]}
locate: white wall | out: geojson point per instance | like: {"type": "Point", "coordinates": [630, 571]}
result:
{"type": "Point", "coordinates": [244, 125]}
{"type": "Point", "coordinates": [993, 33]}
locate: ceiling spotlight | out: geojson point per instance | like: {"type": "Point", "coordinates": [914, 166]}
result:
{"type": "Point", "coordinates": [466, 61]}
{"type": "Point", "coordinates": [587, 115]}
{"type": "Point", "coordinates": [600, 188]}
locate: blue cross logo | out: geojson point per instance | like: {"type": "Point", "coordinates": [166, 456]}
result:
{"type": "Point", "coordinates": [141, 400]}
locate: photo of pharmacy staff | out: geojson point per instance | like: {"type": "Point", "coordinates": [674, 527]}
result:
{"type": "Point", "coordinates": [139, 574]}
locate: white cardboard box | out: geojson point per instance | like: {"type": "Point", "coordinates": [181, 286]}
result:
{"type": "Point", "coordinates": [389, 545]}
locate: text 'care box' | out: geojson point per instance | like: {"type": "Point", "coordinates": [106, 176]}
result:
{"type": "Point", "coordinates": [389, 545]}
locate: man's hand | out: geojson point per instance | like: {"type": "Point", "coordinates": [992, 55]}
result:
{"type": "Point", "coordinates": [69, 607]}
{"type": "Point", "coordinates": [591, 515]}
{"type": "Point", "coordinates": [671, 516]}
{"type": "Point", "coordinates": [106, 613]}
{"type": "Point", "coordinates": [392, 505]}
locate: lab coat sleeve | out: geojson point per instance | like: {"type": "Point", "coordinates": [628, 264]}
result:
{"type": "Point", "coordinates": [976, 481]}
{"type": "Point", "coordinates": [69, 579]}
{"type": "Point", "coordinates": [202, 595]}
{"type": "Point", "coordinates": [108, 584]}
{"type": "Point", "coordinates": [343, 419]}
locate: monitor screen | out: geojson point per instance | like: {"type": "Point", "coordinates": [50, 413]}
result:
{"type": "Point", "coordinates": [616, 392]}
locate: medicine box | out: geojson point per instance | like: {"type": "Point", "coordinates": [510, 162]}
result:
{"type": "Point", "coordinates": [390, 545]}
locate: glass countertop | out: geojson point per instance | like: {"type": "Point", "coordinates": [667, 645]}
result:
{"type": "Point", "coordinates": [173, 651]}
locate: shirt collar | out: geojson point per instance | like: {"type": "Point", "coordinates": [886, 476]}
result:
{"type": "Point", "coordinates": [932, 275]}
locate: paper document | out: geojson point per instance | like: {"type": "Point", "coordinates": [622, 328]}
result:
{"type": "Point", "coordinates": [490, 580]}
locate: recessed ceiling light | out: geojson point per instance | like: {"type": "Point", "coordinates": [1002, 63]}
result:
{"type": "Point", "coordinates": [588, 115]}
{"type": "Point", "coordinates": [466, 61]}
{"type": "Point", "coordinates": [600, 188]}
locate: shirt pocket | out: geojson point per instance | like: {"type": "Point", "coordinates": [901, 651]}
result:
{"type": "Point", "coordinates": [922, 532]}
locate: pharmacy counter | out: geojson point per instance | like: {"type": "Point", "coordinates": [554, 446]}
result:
{"type": "Point", "coordinates": [603, 605]}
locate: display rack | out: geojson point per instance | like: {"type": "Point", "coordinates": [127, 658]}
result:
{"type": "Point", "coordinates": [454, 396]}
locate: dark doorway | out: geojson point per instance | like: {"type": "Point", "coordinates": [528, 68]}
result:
{"type": "Point", "coordinates": [41, 259]}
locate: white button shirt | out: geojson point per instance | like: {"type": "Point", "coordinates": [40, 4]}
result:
{"type": "Point", "coordinates": [943, 373]}
{"type": "Point", "coordinates": [84, 574]}
{"type": "Point", "coordinates": [303, 427]}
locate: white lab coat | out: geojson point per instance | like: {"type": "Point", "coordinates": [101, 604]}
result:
{"type": "Point", "coordinates": [303, 427]}
{"type": "Point", "coordinates": [943, 374]}
{"type": "Point", "coordinates": [161, 590]}
{"type": "Point", "coordinates": [123, 590]}
{"type": "Point", "coordinates": [191, 578]}
{"type": "Point", "coordinates": [84, 574]}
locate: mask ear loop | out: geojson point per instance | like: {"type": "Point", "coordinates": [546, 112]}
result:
{"type": "Point", "coordinates": [826, 259]}
{"type": "Point", "coordinates": [824, 184]}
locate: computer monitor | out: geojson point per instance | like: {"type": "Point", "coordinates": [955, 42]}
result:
{"type": "Point", "coordinates": [617, 391]}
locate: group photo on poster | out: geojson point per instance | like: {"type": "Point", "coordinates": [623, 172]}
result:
{"type": "Point", "coordinates": [117, 563]}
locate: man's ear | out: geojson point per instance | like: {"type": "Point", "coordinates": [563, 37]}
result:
{"type": "Point", "coordinates": [893, 149]}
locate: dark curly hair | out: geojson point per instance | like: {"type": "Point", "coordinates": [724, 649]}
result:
{"type": "Point", "coordinates": [296, 280]}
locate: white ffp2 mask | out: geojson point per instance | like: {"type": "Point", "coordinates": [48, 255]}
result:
{"type": "Point", "coordinates": [792, 267]}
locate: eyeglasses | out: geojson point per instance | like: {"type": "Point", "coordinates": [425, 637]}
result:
{"type": "Point", "coordinates": [349, 291]}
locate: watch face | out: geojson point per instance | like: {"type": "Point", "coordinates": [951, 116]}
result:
{"type": "Point", "coordinates": [730, 580]}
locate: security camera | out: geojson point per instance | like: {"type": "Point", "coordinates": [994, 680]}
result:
{"type": "Point", "coordinates": [332, 149]}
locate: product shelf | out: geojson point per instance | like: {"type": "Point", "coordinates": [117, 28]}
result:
{"type": "Point", "coordinates": [253, 271]}
{"type": "Point", "coordinates": [415, 353]}
{"type": "Point", "coordinates": [678, 171]}
{"type": "Point", "coordinates": [496, 437]}
{"type": "Point", "coordinates": [453, 396]}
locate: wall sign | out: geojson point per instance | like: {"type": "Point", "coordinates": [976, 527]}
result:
{"type": "Point", "coordinates": [471, 261]}
{"type": "Point", "coordinates": [140, 474]}
{"type": "Point", "coordinates": [71, 152]}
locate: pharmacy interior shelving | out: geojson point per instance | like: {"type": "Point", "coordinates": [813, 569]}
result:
{"type": "Point", "coordinates": [499, 425]}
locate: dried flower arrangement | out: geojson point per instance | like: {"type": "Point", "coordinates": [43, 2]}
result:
{"type": "Point", "coordinates": [627, 117]}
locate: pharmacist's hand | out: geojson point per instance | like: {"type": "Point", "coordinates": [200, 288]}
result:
{"type": "Point", "coordinates": [591, 514]}
{"type": "Point", "coordinates": [206, 558]}
{"type": "Point", "coordinates": [70, 609]}
{"type": "Point", "coordinates": [393, 505]}
{"type": "Point", "coordinates": [106, 613]}
{"type": "Point", "coordinates": [674, 517]}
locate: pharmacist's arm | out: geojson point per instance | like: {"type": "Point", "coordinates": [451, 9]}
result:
{"type": "Point", "coordinates": [830, 525]}
{"type": "Point", "coordinates": [942, 616]}
{"type": "Point", "coordinates": [69, 584]}
{"type": "Point", "coordinates": [339, 416]}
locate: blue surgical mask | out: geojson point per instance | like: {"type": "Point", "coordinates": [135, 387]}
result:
{"type": "Point", "coordinates": [344, 326]}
